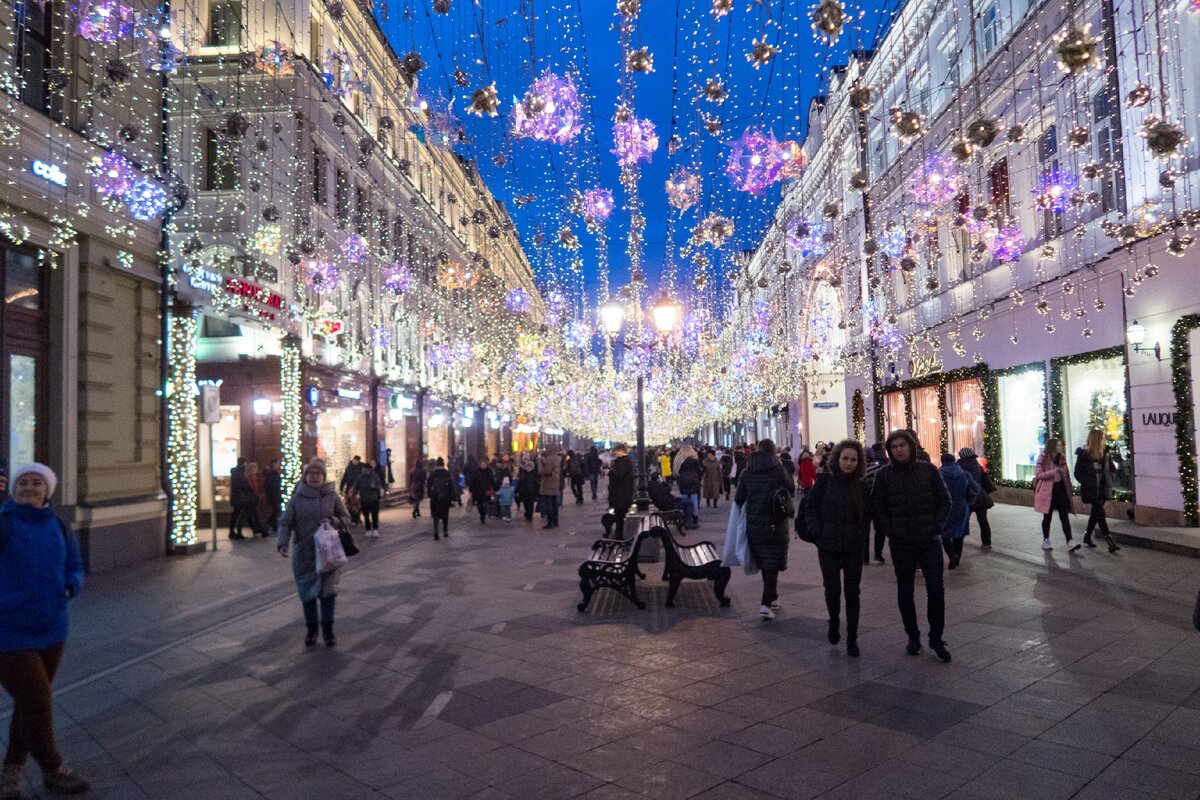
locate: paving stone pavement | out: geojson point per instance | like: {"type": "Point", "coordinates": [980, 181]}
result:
{"type": "Point", "coordinates": [464, 671]}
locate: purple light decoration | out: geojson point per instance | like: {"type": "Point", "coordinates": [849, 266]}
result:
{"type": "Point", "coordinates": [112, 176]}
{"type": "Point", "coordinates": [104, 21]}
{"type": "Point", "coordinates": [556, 304]}
{"type": "Point", "coordinates": [550, 111]}
{"type": "Point", "coordinates": [754, 162]}
{"type": "Point", "coordinates": [937, 183]}
{"type": "Point", "coordinates": [1008, 244]}
{"type": "Point", "coordinates": [398, 279]}
{"type": "Point", "coordinates": [1053, 190]}
{"type": "Point", "coordinates": [383, 336]}
{"type": "Point", "coordinates": [807, 238]}
{"type": "Point", "coordinates": [355, 248]}
{"type": "Point", "coordinates": [517, 300]}
{"type": "Point", "coordinates": [598, 204]}
{"type": "Point", "coordinates": [146, 200]}
{"type": "Point", "coordinates": [577, 334]}
{"type": "Point", "coordinates": [634, 140]}
{"type": "Point", "coordinates": [321, 276]}
{"type": "Point", "coordinates": [440, 355]}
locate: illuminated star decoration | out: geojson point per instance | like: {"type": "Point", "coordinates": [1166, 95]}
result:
{"type": "Point", "coordinates": [634, 140]}
{"type": "Point", "coordinates": [104, 21]}
{"type": "Point", "coordinates": [714, 229]}
{"type": "Point", "coordinates": [398, 279]}
{"type": "Point", "coordinates": [893, 241]}
{"type": "Point", "coordinates": [752, 164]}
{"type": "Point", "coordinates": [597, 204]}
{"type": "Point", "coordinates": [1053, 190]}
{"type": "Point", "coordinates": [146, 199]}
{"type": "Point", "coordinates": [550, 111]}
{"type": "Point", "coordinates": [938, 181]}
{"type": "Point", "coordinates": [112, 176]}
{"type": "Point", "coordinates": [321, 276]}
{"type": "Point", "coordinates": [683, 189]}
{"type": "Point", "coordinates": [355, 248]}
{"type": "Point", "coordinates": [640, 60]}
{"type": "Point", "coordinates": [484, 101]}
{"type": "Point", "coordinates": [1008, 244]}
{"type": "Point", "coordinates": [517, 300]}
{"type": "Point", "coordinates": [828, 19]}
{"type": "Point", "coordinates": [762, 52]}
{"type": "Point", "coordinates": [274, 59]}
{"type": "Point", "coordinates": [807, 238]}
{"type": "Point", "coordinates": [714, 91]}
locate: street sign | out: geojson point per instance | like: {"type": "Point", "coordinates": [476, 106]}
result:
{"type": "Point", "coordinates": [826, 404]}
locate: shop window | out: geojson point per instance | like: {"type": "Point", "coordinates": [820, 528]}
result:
{"type": "Point", "coordinates": [22, 281]}
{"type": "Point", "coordinates": [1108, 151]}
{"type": "Point", "coordinates": [225, 23]}
{"type": "Point", "coordinates": [34, 59]}
{"type": "Point", "coordinates": [927, 419]}
{"type": "Point", "coordinates": [22, 408]}
{"type": "Point", "coordinates": [1093, 396]}
{"type": "Point", "coordinates": [998, 186]}
{"type": "Point", "coordinates": [1021, 403]}
{"type": "Point", "coordinates": [895, 412]}
{"type": "Point", "coordinates": [964, 415]}
{"type": "Point", "coordinates": [24, 350]}
{"type": "Point", "coordinates": [218, 328]}
{"type": "Point", "coordinates": [220, 163]}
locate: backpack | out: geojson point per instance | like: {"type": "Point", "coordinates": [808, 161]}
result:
{"type": "Point", "coordinates": [574, 468]}
{"type": "Point", "coordinates": [439, 489]}
{"type": "Point", "coordinates": [804, 532]}
{"type": "Point", "coordinates": [781, 505]}
{"type": "Point", "coordinates": [368, 487]}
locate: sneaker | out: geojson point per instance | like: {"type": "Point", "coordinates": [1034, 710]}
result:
{"type": "Point", "coordinates": [939, 648]}
{"type": "Point", "coordinates": [64, 781]}
{"type": "Point", "coordinates": [10, 782]}
{"type": "Point", "coordinates": [765, 613]}
{"type": "Point", "coordinates": [1073, 546]}
{"type": "Point", "coordinates": [1046, 545]}
{"type": "Point", "coordinates": [776, 605]}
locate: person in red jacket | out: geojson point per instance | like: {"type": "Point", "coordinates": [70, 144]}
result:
{"type": "Point", "coordinates": [806, 472]}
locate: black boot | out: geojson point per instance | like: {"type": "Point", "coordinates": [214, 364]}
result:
{"type": "Point", "coordinates": [327, 633]}
{"type": "Point", "coordinates": [852, 644]}
{"type": "Point", "coordinates": [310, 638]}
{"type": "Point", "coordinates": [835, 635]}
{"type": "Point", "coordinates": [1087, 539]}
{"type": "Point", "coordinates": [1112, 543]}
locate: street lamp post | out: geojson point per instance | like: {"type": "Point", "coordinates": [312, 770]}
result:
{"type": "Point", "coordinates": [666, 315]}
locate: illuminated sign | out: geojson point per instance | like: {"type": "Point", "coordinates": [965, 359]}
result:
{"type": "Point", "coordinates": [244, 288]}
{"type": "Point", "coordinates": [206, 280]}
{"type": "Point", "coordinates": [923, 366]}
{"type": "Point", "coordinates": [349, 394]}
{"type": "Point", "coordinates": [313, 395]}
{"type": "Point", "coordinates": [50, 172]}
{"type": "Point", "coordinates": [329, 327]}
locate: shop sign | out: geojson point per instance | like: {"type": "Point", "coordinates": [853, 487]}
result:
{"type": "Point", "coordinates": [313, 395]}
{"type": "Point", "coordinates": [206, 280]}
{"type": "Point", "coordinates": [826, 404]}
{"type": "Point", "coordinates": [349, 394]}
{"type": "Point", "coordinates": [402, 402]}
{"type": "Point", "coordinates": [923, 366]}
{"type": "Point", "coordinates": [273, 301]}
{"type": "Point", "coordinates": [1160, 419]}
{"type": "Point", "coordinates": [49, 172]}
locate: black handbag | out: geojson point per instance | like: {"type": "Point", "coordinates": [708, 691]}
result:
{"type": "Point", "coordinates": [347, 540]}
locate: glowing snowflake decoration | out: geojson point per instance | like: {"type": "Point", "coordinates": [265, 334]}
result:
{"type": "Point", "coordinates": [1053, 190]}
{"type": "Point", "coordinates": [275, 59]}
{"type": "Point", "coordinates": [146, 199]}
{"type": "Point", "coordinates": [634, 140]}
{"type": "Point", "coordinates": [397, 279]}
{"type": "Point", "coordinates": [105, 21]}
{"type": "Point", "coordinates": [355, 249]}
{"type": "Point", "coordinates": [597, 204]}
{"type": "Point", "coordinates": [577, 334]}
{"type": "Point", "coordinates": [517, 300]}
{"type": "Point", "coordinates": [938, 181]}
{"type": "Point", "coordinates": [550, 111]}
{"type": "Point", "coordinates": [893, 241]}
{"type": "Point", "coordinates": [683, 189]}
{"type": "Point", "coordinates": [1008, 244]}
{"type": "Point", "coordinates": [267, 238]}
{"type": "Point", "coordinates": [321, 276]}
{"type": "Point", "coordinates": [792, 160]}
{"type": "Point", "coordinates": [808, 238]}
{"type": "Point", "coordinates": [112, 176]}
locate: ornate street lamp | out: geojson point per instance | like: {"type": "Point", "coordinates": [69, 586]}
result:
{"type": "Point", "coordinates": [666, 313]}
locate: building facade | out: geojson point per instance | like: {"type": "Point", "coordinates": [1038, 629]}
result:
{"type": "Point", "coordinates": [80, 328]}
{"type": "Point", "coordinates": [997, 217]}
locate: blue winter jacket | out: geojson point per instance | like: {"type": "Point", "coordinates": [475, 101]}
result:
{"type": "Point", "coordinates": [963, 488]}
{"type": "Point", "coordinates": [40, 567]}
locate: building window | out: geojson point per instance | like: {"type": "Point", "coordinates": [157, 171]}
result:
{"type": "Point", "coordinates": [1108, 151]}
{"type": "Point", "coordinates": [314, 42]}
{"type": "Point", "coordinates": [964, 415]}
{"type": "Point", "coordinates": [341, 197]}
{"type": "Point", "coordinates": [34, 54]}
{"type": "Point", "coordinates": [927, 418]}
{"type": "Point", "coordinates": [1052, 222]}
{"type": "Point", "coordinates": [398, 235]}
{"type": "Point", "coordinates": [24, 353]}
{"type": "Point", "coordinates": [988, 28]}
{"type": "Point", "coordinates": [381, 223]}
{"type": "Point", "coordinates": [998, 186]}
{"type": "Point", "coordinates": [320, 181]}
{"type": "Point", "coordinates": [1021, 401]}
{"type": "Point", "coordinates": [225, 23]}
{"type": "Point", "coordinates": [362, 211]}
{"type": "Point", "coordinates": [1093, 396]}
{"type": "Point", "coordinates": [220, 163]}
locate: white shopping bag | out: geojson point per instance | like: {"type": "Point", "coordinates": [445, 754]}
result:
{"type": "Point", "coordinates": [330, 554]}
{"type": "Point", "coordinates": [737, 546]}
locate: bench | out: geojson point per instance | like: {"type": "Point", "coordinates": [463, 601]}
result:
{"type": "Point", "coordinates": [671, 520]}
{"type": "Point", "coordinates": [613, 565]}
{"type": "Point", "coordinates": [699, 561]}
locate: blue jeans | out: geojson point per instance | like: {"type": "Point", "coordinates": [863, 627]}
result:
{"type": "Point", "coordinates": [693, 508]}
{"type": "Point", "coordinates": [550, 509]}
{"type": "Point", "coordinates": [594, 480]}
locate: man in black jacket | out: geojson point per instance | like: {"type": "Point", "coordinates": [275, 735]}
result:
{"type": "Point", "coordinates": [594, 467]}
{"type": "Point", "coordinates": [620, 488]}
{"type": "Point", "coordinates": [909, 504]}
{"type": "Point", "coordinates": [661, 497]}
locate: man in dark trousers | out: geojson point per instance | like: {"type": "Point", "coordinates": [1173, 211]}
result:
{"type": "Point", "coordinates": [909, 504]}
{"type": "Point", "coordinates": [620, 488]}
{"type": "Point", "coordinates": [273, 489]}
{"type": "Point", "coordinates": [594, 467]}
{"type": "Point", "coordinates": [349, 477]}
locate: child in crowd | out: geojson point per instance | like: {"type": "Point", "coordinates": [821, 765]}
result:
{"type": "Point", "coordinates": [505, 499]}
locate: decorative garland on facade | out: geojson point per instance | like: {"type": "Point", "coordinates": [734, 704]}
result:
{"type": "Point", "coordinates": [993, 439]}
{"type": "Point", "coordinates": [859, 415]}
{"type": "Point", "coordinates": [183, 423]}
{"type": "Point", "coordinates": [289, 440]}
{"type": "Point", "coordinates": [1181, 384]}
{"type": "Point", "coordinates": [1057, 420]}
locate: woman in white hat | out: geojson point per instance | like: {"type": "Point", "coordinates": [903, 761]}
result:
{"type": "Point", "coordinates": [40, 569]}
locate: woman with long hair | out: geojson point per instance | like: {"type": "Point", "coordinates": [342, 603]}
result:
{"type": "Point", "coordinates": [766, 530]}
{"type": "Point", "coordinates": [1052, 492]}
{"type": "Point", "coordinates": [836, 513]}
{"type": "Point", "coordinates": [1094, 470]}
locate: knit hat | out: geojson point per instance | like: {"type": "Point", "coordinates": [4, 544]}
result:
{"type": "Point", "coordinates": [966, 452]}
{"type": "Point", "coordinates": [316, 463]}
{"type": "Point", "coordinates": [40, 469]}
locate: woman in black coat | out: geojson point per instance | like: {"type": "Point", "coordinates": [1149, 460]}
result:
{"type": "Point", "coordinates": [766, 531]}
{"type": "Point", "coordinates": [528, 483]}
{"type": "Point", "coordinates": [620, 487]}
{"type": "Point", "coordinates": [837, 516]}
{"type": "Point", "coordinates": [1094, 471]}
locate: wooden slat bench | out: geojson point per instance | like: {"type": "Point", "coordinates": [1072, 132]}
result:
{"type": "Point", "coordinates": [699, 561]}
{"type": "Point", "coordinates": [613, 565]}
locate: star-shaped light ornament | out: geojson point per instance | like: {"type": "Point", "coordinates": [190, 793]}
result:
{"type": "Point", "coordinates": [1078, 50]}
{"type": "Point", "coordinates": [484, 101]}
{"type": "Point", "coordinates": [629, 8]}
{"type": "Point", "coordinates": [683, 189]}
{"type": "Point", "coordinates": [641, 60]}
{"type": "Point", "coordinates": [412, 63]}
{"type": "Point", "coordinates": [721, 7]}
{"type": "Point", "coordinates": [712, 123]}
{"type": "Point", "coordinates": [762, 52]}
{"type": "Point", "coordinates": [714, 91]}
{"type": "Point", "coordinates": [828, 19]}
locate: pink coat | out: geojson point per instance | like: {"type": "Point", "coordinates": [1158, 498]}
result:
{"type": "Point", "coordinates": [1045, 472]}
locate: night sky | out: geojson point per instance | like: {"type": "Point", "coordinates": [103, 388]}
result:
{"type": "Point", "coordinates": [510, 42]}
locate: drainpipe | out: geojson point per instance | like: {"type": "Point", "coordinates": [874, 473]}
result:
{"type": "Point", "coordinates": [863, 164]}
{"type": "Point", "coordinates": [164, 308]}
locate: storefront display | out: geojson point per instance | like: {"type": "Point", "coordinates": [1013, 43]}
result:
{"type": "Point", "coordinates": [341, 435]}
{"type": "Point", "coordinates": [1092, 394]}
{"type": "Point", "coordinates": [964, 415]}
{"type": "Point", "coordinates": [1021, 407]}
{"type": "Point", "coordinates": [895, 412]}
{"type": "Point", "coordinates": [927, 419]}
